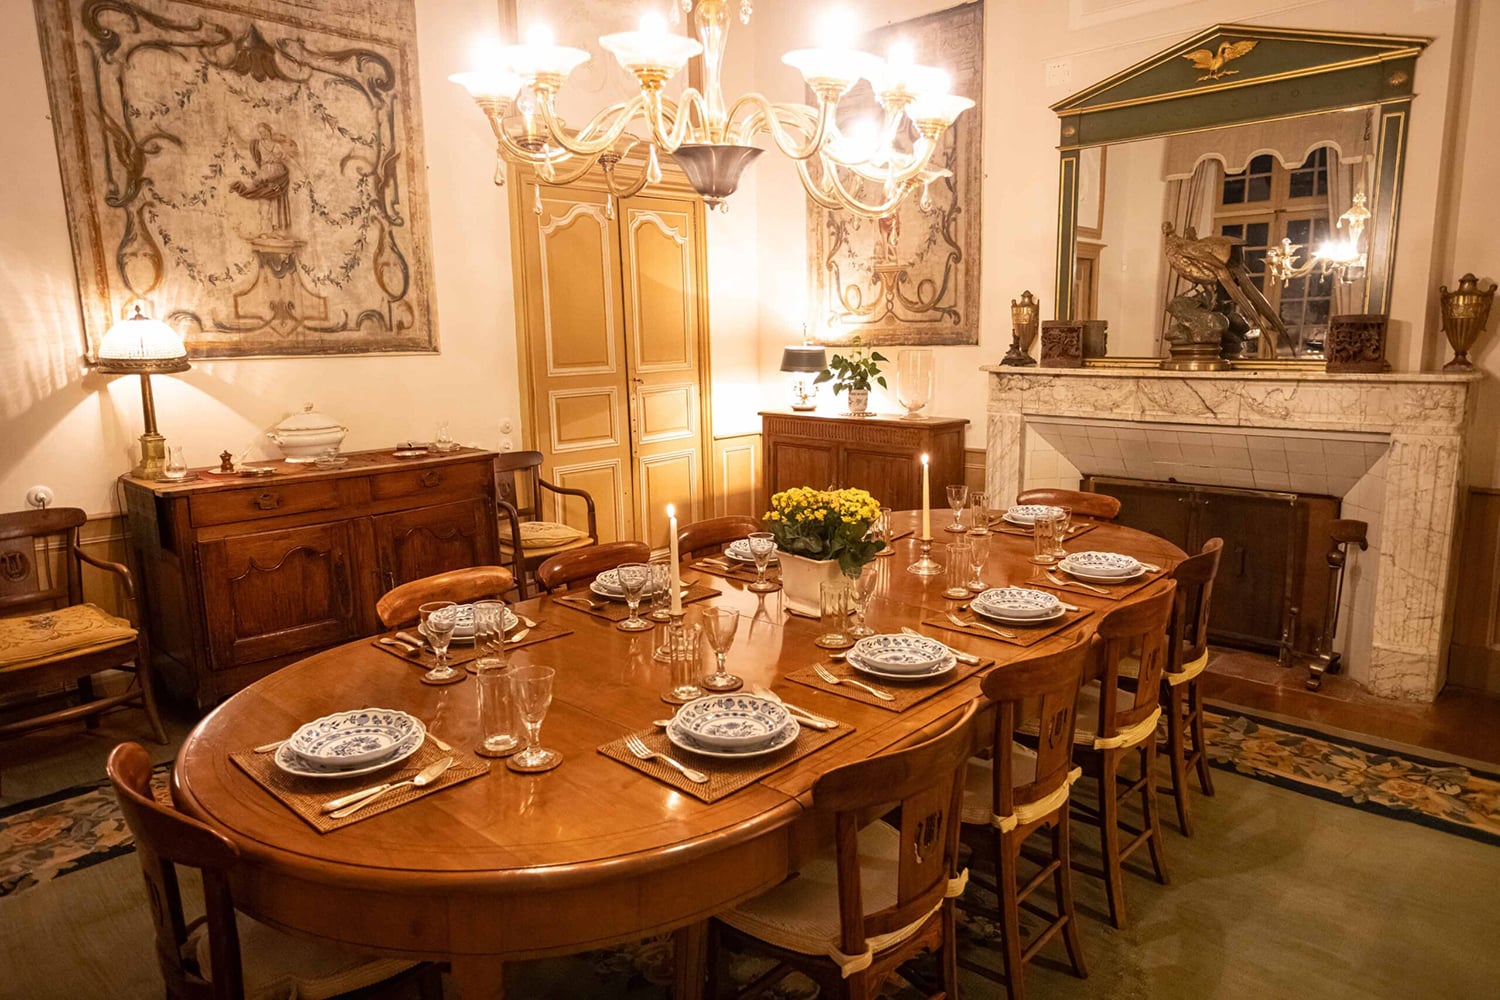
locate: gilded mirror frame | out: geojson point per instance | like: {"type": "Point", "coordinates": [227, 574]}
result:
{"type": "Point", "coordinates": [1297, 72]}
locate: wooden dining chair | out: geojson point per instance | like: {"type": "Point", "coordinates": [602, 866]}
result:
{"type": "Point", "coordinates": [527, 539]}
{"type": "Point", "coordinates": [1019, 791]}
{"type": "Point", "coordinates": [1115, 723]}
{"type": "Point", "coordinates": [49, 637]}
{"type": "Point", "coordinates": [562, 571]}
{"type": "Point", "coordinates": [849, 918]}
{"type": "Point", "coordinates": [1099, 506]}
{"type": "Point", "coordinates": [399, 606]}
{"type": "Point", "coordinates": [1181, 687]}
{"type": "Point", "coordinates": [703, 538]}
{"type": "Point", "coordinates": [224, 955]}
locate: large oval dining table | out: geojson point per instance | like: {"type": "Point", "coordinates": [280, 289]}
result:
{"type": "Point", "coordinates": [510, 866]}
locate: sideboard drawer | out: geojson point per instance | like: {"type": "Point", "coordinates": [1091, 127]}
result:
{"type": "Point", "coordinates": [437, 483]}
{"type": "Point", "coordinates": [270, 500]}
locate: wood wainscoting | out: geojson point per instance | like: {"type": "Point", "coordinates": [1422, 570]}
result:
{"type": "Point", "coordinates": [738, 480]}
{"type": "Point", "coordinates": [1474, 656]}
{"type": "Point", "coordinates": [974, 471]}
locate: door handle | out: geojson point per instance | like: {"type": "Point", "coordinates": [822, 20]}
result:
{"type": "Point", "coordinates": [268, 501]}
{"type": "Point", "coordinates": [431, 478]}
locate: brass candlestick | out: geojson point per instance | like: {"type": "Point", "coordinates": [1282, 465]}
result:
{"type": "Point", "coordinates": [1024, 315]}
{"type": "Point", "coordinates": [1466, 312]}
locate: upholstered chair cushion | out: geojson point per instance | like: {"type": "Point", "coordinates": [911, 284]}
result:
{"type": "Point", "coordinates": [32, 640]}
{"type": "Point", "coordinates": [546, 534]}
{"type": "Point", "coordinates": [1131, 667]}
{"type": "Point", "coordinates": [979, 790]}
{"type": "Point", "coordinates": [279, 966]}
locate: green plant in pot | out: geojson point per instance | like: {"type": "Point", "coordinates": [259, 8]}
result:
{"type": "Point", "coordinates": [855, 374]}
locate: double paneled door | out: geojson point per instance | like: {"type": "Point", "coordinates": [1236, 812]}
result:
{"type": "Point", "coordinates": [613, 333]}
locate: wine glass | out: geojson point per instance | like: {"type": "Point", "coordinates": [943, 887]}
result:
{"type": "Point", "coordinates": [633, 578]}
{"type": "Point", "coordinates": [532, 689]}
{"type": "Point", "coordinates": [861, 591]}
{"type": "Point", "coordinates": [719, 625]}
{"type": "Point", "coordinates": [438, 619]}
{"type": "Point", "coordinates": [957, 497]}
{"type": "Point", "coordinates": [979, 552]}
{"type": "Point", "coordinates": [762, 546]}
{"type": "Point", "coordinates": [1061, 524]}
{"type": "Point", "coordinates": [881, 529]}
{"type": "Point", "coordinates": [979, 513]}
{"type": "Point", "coordinates": [914, 376]}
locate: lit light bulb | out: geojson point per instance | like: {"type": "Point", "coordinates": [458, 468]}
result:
{"type": "Point", "coordinates": [901, 54]}
{"type": "Point", "coordinates": [539, 36]}
{"type": "Point", "coordinates": [653, 23]}
{"type": "Point", "coordinates": [837, 29]}
{"type": "Point", "coordinates": [939, 82]}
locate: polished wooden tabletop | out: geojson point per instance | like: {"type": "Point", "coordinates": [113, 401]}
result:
{"type": "Point", "coordinates": [592, 853]}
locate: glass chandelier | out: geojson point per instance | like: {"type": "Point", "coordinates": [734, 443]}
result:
{"type": "Point", "coordinates": [1341, 257]}
{"type": "Point", "coordinates": [709, 138]}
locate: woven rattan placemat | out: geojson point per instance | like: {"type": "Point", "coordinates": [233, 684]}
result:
{"type": "Point", "coordinates": [616, 611]}
{"type": "Point", "coordinates": [727, 569]}
{"type": "Point", "coordinates": [724, 776]}
{"type": "Point", "coordinates": [904, 694]}
{"type": "Point", "coordinates": [305, 796]}
{"type": "Point", "coordinates": [1112, 592]}
{"type": "Point", "coordinates": [1004, 527]}
{"type": "Point", "coordinates": [1026, 635]}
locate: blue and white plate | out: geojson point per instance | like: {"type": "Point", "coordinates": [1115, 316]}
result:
{"type": "Point", "coordinates": [739, 551]}
{"type": "Point", "coordinates": [1017, 604]}
{"type": "Point", "coordinates": [936, 670]}
{"type": "Point", "coordinates": [685, 741]}
{"type": "Point", "coordinates": [349, 739]}
{"type": "Point", "coordinates": [607, 584]}
{"type": "Point", "coordinates": [901, 653]}
{"type": "Point", "coordinates": [288, 761]}
{"type": "Point", "coordinates": [1103, 567]}
{"type": "Point", "coordinates": [1025, 514]}
{"type": "Point", "coordinates": [464, 630]}
{"type": "Point", "coordinates": [732, 721]}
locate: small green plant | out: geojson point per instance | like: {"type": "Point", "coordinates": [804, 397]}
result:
{"type": "Point", "coordinates": [855, 372]}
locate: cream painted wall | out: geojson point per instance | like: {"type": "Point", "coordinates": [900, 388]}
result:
{"type": "Point", "coordinates": [76, 431]}
{"type": "Point", "coordinates": [1020, 135]}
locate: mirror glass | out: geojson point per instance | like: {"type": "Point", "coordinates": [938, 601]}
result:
{"type": "Point", "coordinates": [1258, 184]}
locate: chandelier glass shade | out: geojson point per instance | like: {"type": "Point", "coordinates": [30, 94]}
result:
{"type": "Point", "coordinates": [869, 174]}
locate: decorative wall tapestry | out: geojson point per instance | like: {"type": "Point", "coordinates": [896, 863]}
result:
{"type": "Point", "coordinates": [912, 278]}
{"type": "Point", "coordinates": [252, 173]}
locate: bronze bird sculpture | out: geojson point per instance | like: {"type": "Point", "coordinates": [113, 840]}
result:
{"type": "Point", "coordinates": [1205, 262]}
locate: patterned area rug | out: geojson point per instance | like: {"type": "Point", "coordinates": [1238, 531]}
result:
{"type": "Point", "coordinates": [1403, 785]}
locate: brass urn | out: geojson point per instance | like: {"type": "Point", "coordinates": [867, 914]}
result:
{"type": "Point", "coordinates": [1466, 312]}
{"type": "Point", "coordinates": [1024, 317]}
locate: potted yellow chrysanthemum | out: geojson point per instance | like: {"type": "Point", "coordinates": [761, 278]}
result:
{"type": "Point", "coordinates": [821, 534]}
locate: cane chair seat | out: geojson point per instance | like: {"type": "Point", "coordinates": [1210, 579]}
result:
{"type": "Point", "coordinates": [979, 784]}
{"type": "Point", "coordinates": [36, 639]}
{"type": "Point", "coordinates": [277, 966]}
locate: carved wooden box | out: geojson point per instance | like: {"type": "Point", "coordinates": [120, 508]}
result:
{"type": "Point", "coordinates": [1356, 343]}
{"type": "Point", "coordinates": [1062, 344]}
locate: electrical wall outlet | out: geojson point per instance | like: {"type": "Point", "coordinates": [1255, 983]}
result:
{"type": "Point", "coordinates": [1059, 72]}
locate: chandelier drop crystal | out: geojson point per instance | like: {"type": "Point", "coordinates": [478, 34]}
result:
{"type": "Point", "coordinates": [863, 171]}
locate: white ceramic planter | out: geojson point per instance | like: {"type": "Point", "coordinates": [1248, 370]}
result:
{"type": "Point", "coordinates": [800, 580]}
{"type": "Point", "coordinates": [859, 400]}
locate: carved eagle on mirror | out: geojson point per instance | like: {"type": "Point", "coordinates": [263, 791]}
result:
{"type": "Point", "coordinates": [1213, 64]}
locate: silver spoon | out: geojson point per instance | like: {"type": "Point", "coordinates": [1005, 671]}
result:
{"type": "Point", "coordinates": [428, 775]}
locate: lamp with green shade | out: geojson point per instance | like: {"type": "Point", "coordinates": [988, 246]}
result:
{"type": "Point", "coordinates": [145, 347]}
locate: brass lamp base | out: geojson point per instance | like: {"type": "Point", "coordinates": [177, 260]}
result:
{"type": "Point", "coordinates": [153, 463]}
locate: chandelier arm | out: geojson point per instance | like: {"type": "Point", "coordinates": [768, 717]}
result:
{"type": "Point", "coordinates": [842, 200]}
{"type": "Point", "coordinates": [767, 117]}
{"type": "Point", "coordinates": [602, 136]}
{"type": "Point", "coordinates": [921, 157]}
{"type": "Point", "coordinates": [671, 121]}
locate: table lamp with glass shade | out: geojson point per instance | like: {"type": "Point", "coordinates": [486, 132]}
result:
{"type": "Point", "coordinates": [145, 347]}
{"type": "Point", "coordinates": [804, 360]}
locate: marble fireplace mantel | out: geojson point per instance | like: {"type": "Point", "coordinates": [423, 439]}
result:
{"type": "Point", "coordinates": [1424, 415]}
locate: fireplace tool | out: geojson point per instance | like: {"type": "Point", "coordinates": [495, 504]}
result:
{"type": "Point", "coordinates": [1341, 534]}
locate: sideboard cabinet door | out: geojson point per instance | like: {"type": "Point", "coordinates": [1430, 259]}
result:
{"type": "Point", "coordinates": [275, 593]}
{"type": "Point", "coordinates": [412, 544]}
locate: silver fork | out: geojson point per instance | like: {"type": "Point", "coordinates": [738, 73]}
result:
{"type": "Point", "coordinates": [822, 672]}
{"type": "Point", "coordinates": [634, 744]}
{"type": "Point", "coordinates": [580, 599]}
{"type": "Point", "coordinates": [1076, 583]}
{"type": "Point", "coordinates": [988, 628]}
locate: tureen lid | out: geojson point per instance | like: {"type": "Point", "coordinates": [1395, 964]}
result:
{"type": "Point", "coordinates": [308, 420]}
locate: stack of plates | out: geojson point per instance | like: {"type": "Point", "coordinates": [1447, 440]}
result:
{"type": "Point", "coordinates": [1026, 514]}
{"type": "Point", "coordinates": [901, 657]}
{"type": "Point", "coordinates": [347, 744]}
{"type": "Point", "coordinates": [607, 585]}
{"type": "Point", "coordinates": [1018, 606]}
{"type": "Point", "coordinates": [1101, 567]}
{"type": "Point", "coordinates": [464, 630]}
{"type": "Point", "coordinates": [739, 551]}
{"type": "Point", "coordinates": [732, 726]}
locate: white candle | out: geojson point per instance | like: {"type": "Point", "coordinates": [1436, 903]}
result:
{"type": "Point", "coordinates": [926, 501]}
{"type": "Point", "coordinates": [676, 568]}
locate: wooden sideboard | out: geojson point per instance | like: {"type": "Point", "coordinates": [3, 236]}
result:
{"type": "Point", "coordinates": [241, 576]}
{"type": "Point", "coordinates": [878, 453]}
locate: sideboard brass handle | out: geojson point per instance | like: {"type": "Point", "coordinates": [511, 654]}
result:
{"type": "Point", "coordinates": [431, 478]}
{"type": "Point", "coordinates": [268, 501]}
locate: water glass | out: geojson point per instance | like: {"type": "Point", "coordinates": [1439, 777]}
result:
{"type": "Point", "coordinates": [833, 605]}
{"type": "Point", "coordinates": [862, 589]}
{"type": "Point", "coordinates": [660, 590]}
{"type": "Point", "coordinates": [979, 513]}
{"type": "Point", "coordinates": [1044, 539]}
{"type": "Point", "coordinates": [498, 735]}
{"type": "Point", "coordinates": [531, 687]}
{"type": "Point", "coordinates": [960, 561]}
{"type": "Point", "coordinates": [979, 553]}
{"type": "Point", "coordinates": [685, 654]}
{"type": "Point", "coordinates": [762, 547]}
{"type": "Point", "coordinates": [719, 625]}
{"type": "Point", "coordinates": [633, 579]}
{"type": "Point", "coordinates": [437, 621]}
{"type": "Point", "coordinates": [957, 496]}
{"type": "Point", "coordinates": [1061, 524]}
{"type": "Point", "coordinates": [881, 528]}
{"type": "Point", "coordinates": [489, 626]}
